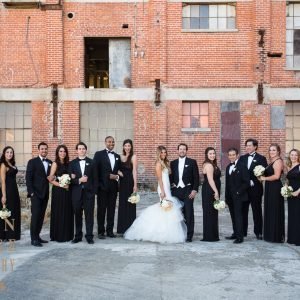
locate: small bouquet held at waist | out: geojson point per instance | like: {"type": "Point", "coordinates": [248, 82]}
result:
{"type": "Point", "coordinates": [166, 204]}
{"type": "Point", "coordinates": [5, 213]}
{"type": "Point", "coordinates": [259, 171]}
{"type": "Point", "coordinates": [286, 191]}
{"type": "Point", "coordinates": [64, 180]}
{"type": "Point", "coordinates": [219, 204]}
{"type": "Point", "coordinates": [134, 198]}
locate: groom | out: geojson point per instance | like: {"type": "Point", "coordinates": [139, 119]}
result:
{"type": "Point", "coordinates": [184, 181]}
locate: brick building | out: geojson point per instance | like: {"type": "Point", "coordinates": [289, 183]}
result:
{"type": "Point", "coordinates": [208, 73]}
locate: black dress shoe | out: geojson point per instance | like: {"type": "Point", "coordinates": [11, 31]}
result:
{"type": "Point", "coordinates": [90, 241]}
{"type": "Point", "coordinates": [238, 241]}
{"type": "Point", "coordinates": [36, 243]}
{"type": "Point", "coordinates": [189, 240]}
{"type": "Point", "coordinates": [101, 236]}
{"type": "Point", "coordinates": [111, 235]}
{"type": "Point", "coordinates": [259, 237]}
{"type": "Point", "coordinates": [232, 237]}
{"type": "Point", "coordinates": [42, 241]}
{"type": "Point", "coordinates": [76, 240]}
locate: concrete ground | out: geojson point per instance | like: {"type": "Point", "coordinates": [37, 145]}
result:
{"type": "Point", "coordinates": [119, 269]}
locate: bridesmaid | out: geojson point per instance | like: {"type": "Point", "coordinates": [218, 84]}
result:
{"type": "Point", "coordinates": [293, 176]}
{"type": "Point", "coordinates": [62, 218]}
{"type": "Point", "coordinates": [273, 201]}
{"type": "Point", "coordinates": [210, 192]}
{"type": "Point", "coordinates": [128, 185]}
{"type": "Point", "coordinates": [10, 194]}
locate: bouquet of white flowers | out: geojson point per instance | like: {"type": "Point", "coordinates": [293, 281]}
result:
{"type": "Point", "coordinates": [134, 198]}
{"type": "Point", "coordinates": [219, 204]}
{"type": "Point", "coordinates": [259, 171]}
{"type": "Point", "coordinates": [286, 191]}
{"type": "Point", "coordinates": [5, 213]}
{"type": "Point", "coordinates": [64, 180]}
{"type": "Point", "coordinates": [166, 204]}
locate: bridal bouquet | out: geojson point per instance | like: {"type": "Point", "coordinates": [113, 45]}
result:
{"type": "Point", "coordinates": [219, 204]}
{"type": "Point", "coordinates": [64, 180]}
{"type": "Point", "coordinates": [259, 171]}
{"type": "Point", "coordinates": [286, 191]}
{"type": "Point", "coordinates": [134, 198]}
{"type": "Point", "coordinates": [166, 204]}
{"type": "Point", "coordinates": [5, 213]}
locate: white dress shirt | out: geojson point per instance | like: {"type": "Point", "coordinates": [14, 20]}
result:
{"type": "Point", "coordinates": [45, 163]}
{"type": "Point", "coordinates": [82, 166]}
{"type": "Point", "coordinates": [232, 167]}
{"type": "Point", "coordinates": [181, 163]}
{"type": "Point", "coordinates": [250, 159]}
{"type": "Point", "coordinates": [112, 159]}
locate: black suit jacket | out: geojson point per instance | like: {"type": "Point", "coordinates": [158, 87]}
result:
{"type": "Point", "coordinates": [90, 186]}
{"type": "Point", "coordinates": [190, 176]}
{"type": "Point", "coordinates": [237, 183]}
{"type": "Point", "coordinates": [103, 168]}
{"type": "Point", "coordinates": [36, 178]}
{"type": "Point", "coordinates": [258, 159]}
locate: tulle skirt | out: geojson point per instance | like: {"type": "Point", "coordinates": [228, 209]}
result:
{"type": "Point", "coordinates": [158, 225]}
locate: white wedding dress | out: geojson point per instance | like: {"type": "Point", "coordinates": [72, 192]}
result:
{"type": "Point", "coordinates": [158, 225]}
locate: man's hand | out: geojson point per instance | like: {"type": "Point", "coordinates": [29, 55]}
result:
{"type": "Point", "coordinates": [114, 177]}
{"type": "Point", "coordinates": [193, 194]}
{"type": "Point", "coordinates": [82, 179]}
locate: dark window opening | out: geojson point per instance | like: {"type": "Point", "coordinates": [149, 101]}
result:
{"type": "Point", "coordinates": [297, 42]}
{"type": "Point", "coordinates": [96, 62]}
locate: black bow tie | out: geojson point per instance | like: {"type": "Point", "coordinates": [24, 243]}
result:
{"type": "Point", "coordinates": [44, 159]}
{"type": "Point", "coordinates": [232, 164]}
{"type": "Point", "coordinates": [252, 155]}
{"type": "Point", "coordinates": [112, 152]}
{"type": "Point", "coordinates": [81, 159]}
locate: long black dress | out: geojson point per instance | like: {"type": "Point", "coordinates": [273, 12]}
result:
{"type": "Point", "coordinates": [62, 217]}
{"type": "Point", "coordinates": [127, 210]}
{"type": "Point", "coordinates": [12, 204]}
{"type": "Point", "coordinates": [210, 214]}
{"type": "Point", "coordinates": [293, 234]}
{"type": "Point", "coordinates": [273, 209]}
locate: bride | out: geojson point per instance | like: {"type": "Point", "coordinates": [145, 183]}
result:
{"type": "Point", "coordinates": [156, 224]}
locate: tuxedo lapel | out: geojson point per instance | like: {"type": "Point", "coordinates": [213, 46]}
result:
{"type": "Point", "coordinates": [77, 166]}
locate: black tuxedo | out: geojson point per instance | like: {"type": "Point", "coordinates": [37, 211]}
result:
{"type": "Point", "coordinates": [83, 196]}
{"type": "Point", "coordinates": [255, 194]}
{"type": "Point", "coordinates": [38, 191]}
{"type": "Point", "coordinates": [236, 187]}
{"type": "Point", "coordinates": [190, 178]}
{"type": "Point", "coordinates": [107, 190]}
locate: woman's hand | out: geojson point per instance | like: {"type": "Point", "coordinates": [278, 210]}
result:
{"type": "Point", "coordinates": [66, 186]}
{"type": "Point", "coordinates": [162, 195]}
{"type": "Point", "coordinates": [216, 196]}
{"type": "Point", "coordinates": [73, 176]}
{"type": "Point", "coordinates": [120, 173]}
{"type": "Point", "coordinates": [135, 189]}
{"type": "Point", "coordinates": [3, 200]}
{"type": "Point", "coordinates": [296, 193]}
{"type": "Point", "coordinates": [261, 178]}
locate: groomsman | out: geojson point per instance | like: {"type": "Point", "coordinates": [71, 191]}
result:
{"type": "Point", "coordinates": [237, 182]}
{"type": "Point", "coordinates": [255, 190]}
{"type": "Point", "coordinates": [83, 185]}
{"type": "Point", "coordinates": [184, 181]}
{"type": "Point", "coordinates": [38, 169]}
{"type": "Point", "coordinates": [107, 163]}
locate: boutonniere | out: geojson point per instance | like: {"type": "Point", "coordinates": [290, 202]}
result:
{"type": "Point", "coordinates": [87, 164]}
{"type": "Point", "coordinates": [254, 160]}
{"type": "Point", "coordinates": [117, 158]}
{"type": "Point", "coordinates": [49, 165]}
{"type": "Point", "coordinates": [186, 166]}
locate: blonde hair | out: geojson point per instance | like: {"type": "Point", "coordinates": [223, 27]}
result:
{"type": "Point", "coordinates": [165, 164]}
{"type": "Point", "coordinates": [288, 160]}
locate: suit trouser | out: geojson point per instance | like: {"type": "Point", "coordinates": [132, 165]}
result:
{"type": "Point", "coordinates": [256, 201]}
{"type": "Point", "coordinates": [188, 208]}
{"type": "Point", "coordinates": [86, 204]}
{"type": "Point", "coordinates": [238, 218]}
{"type": "Point", "coordinates": [106, 202]}
{"type": "Point", "coordinates": [231, 211]}
{"type": "Point", "coordinates": [38, 209]}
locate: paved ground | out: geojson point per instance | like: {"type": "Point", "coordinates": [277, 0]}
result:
{"type": "Point", "coordinates": [119, 269]}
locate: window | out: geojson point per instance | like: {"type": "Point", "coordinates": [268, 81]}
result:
{"type": "Point", "coordinates": [292, 118]}
{"type": "Point", "coordinates": [195, 114]}
{"type": "Point", "coordinates": [209, 16]}
{"type": "Point", "coordinates": [293, 35]}
{"type": "Point", "coordinates": [15, 130]}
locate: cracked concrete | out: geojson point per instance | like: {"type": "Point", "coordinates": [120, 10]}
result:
{"type": "Point", "coordinates": [119, 269]}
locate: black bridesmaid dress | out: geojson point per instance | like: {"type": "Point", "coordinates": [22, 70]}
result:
{"type": "Point", "coordinates": [293, 234]}
{"type": "Point", "coordinates": [210, 214]}
{"type": "Point", "coordinates": [273, 209]}
{"type": "Point", "coordinates": [127, 210]}
{"type": "Point", "coordinates": [13, 204]}
{"type": "Point", "coordinates": [62, 217]}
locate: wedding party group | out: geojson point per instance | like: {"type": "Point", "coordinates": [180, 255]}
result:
{"type": "Point", "coordinates": [249, 179]}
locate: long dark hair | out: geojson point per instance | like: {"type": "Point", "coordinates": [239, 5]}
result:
{"type": "Point", "coordinates": [57, 159]}
{"type": "Point", "coordinates": [207, 160]}
{"type": "Point", "coordinates": [3, 160]}
{"type": "Point", "coordinates": [128, 161]}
